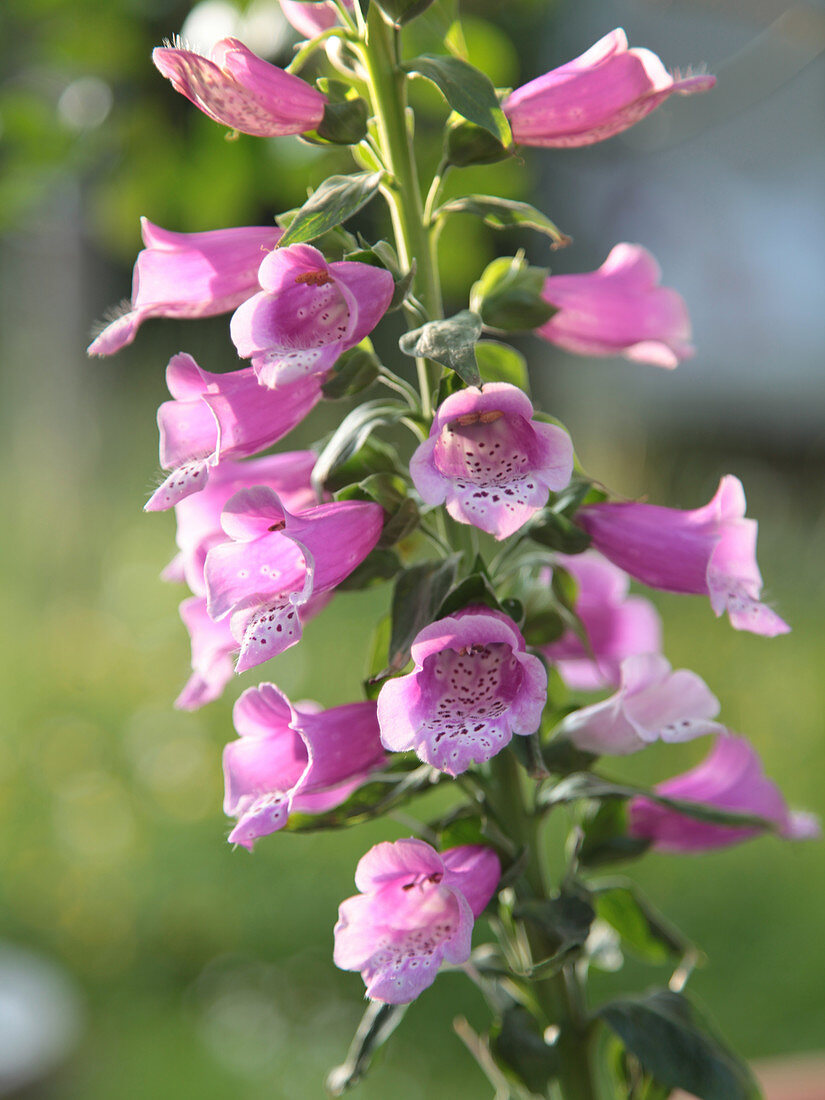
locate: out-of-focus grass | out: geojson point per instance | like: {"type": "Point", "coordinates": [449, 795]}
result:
{"type": "Point", "coordinates": [209, 971]}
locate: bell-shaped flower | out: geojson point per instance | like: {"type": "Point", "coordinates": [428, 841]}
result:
{"type": "Point", "coordinates": [187, 275]}
{"type": "Point", "coordinates": [491, 463]}
{"type": "Point", "coordinates": [730, 778]}
{"type": "Point", "coordinates": [653, 703]}
{"type": "Point", "coordinates": [308, 313]}
{"type": "Point", "coordinates": [199, 516]}
{"type": "Point", "coordinates": [709, 550]}
{"type": "Point", "coordinates": [415, 910]}
{"type": "Point", "coordinates": [240, 90]}
{"type": "Point", "coordinates": [213, 417]}
{"type": "Point", "coordinates": [277, 561]}
{"type": "Point", "coordinates": [619, 309]}
{"type": "Point", "coordinates": [601, 93]}
{"type": "Point", "coordinates": [473, 686]}
{"type": "Point", "coordinates": [310, 19]}
{"type": "Point", "coordinates": [616, 624]}
{"type": "Point", "coordinates": [294, 758]}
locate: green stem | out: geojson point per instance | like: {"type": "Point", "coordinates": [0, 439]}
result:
{"type": "Point", "coordinates": [403, 193]}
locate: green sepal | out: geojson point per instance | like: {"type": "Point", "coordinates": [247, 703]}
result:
{"type": "Point", "coordinates": [508, 295]}
{"type": "Point", "coordinates": [402, 11]}
{"type": "Point", "coordinates": [352, 372]}
{"type": "Point", "coordinates": [466, 144]}
{"type": "Point", "coordinates": [499, 362]}
{"type": "Point", "coordinates": [605, 836]}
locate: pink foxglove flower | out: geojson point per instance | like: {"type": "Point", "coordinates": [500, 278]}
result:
{"type": "Point", "coordinates": [594, 96]}
{"type": "Point", "coordinates": [653, 703]}
{"type": "Point", "coordinates": [294, 758]}
{"type": "Point", "coordinates": [619, 309]}
{"type": "Point", "coordinates": [473, 687]}
{"type": "Point", "coordinates": [242, 91]}
{"type": "Point", "coordinates": [311, 19]}
{"type": "Point", "coordinates": [187, 275]}
{"type": "Point", "coordinates": [199, 516]}
{"type": "Point", "coordinates": [218, 416]}
{"type": "Point", "coordinates": [617, 625]}
{"type": "Point", "coordinates": [416, 909]}
{"type": "Point", "coordinates": [277, 561]}
{"type": "Point", "coordinates": [308, 313]}
{"type": "Point", "coordinates": [729, 778]}
{"type": "Point", "coordinates": [489, 460]}
{"type": "Point", "coordinates": [710, 550]}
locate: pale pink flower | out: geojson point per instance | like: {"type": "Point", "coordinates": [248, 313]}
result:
{"type": "Point", "coordinates": [311, 19]}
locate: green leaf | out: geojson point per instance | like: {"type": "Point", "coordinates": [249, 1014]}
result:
{"type": "Point", "coordinates": [562, 757]}
{"type": "Point", "coordinates": [467, 90]}
{"type": "Point", "coordinates": [663, 1031]}
{"type": "Point", "coordinates": [565, 921]}
{"type": "Point", "coordinates": [377, 1025]}
{"type": "Point", "coordinates": [353, 372]}
{"type": "Point", "coordinates": [605, 837]}
{"type": "Point", "coordinates": [390, 491]}
{"type": "Point", "coordinates": [519, 1044]}
{"type": "Point", "coordinates": [402, 11]}
{"type": "Point", "coordinates": [501, 213]}
{"type": "Point", "coordinates": [499, 362]}
{"type": "Point", "coordinates": [450, 342]}
{"type": "Point", "coordinates": [508, 295]}
{"type": "Point", "coordinates": [543, 627]}
{"type": "Point", "coordinates": [557, 532]}
{"type": "Point", "coordinates": [378, 566]}
{"type": "Point", "coordinates": [463, 825]}
{"type": "Point", "coordinates": [351, 434]}
{"type": "Point", "coordinates": [386, 792]}
{"type": "Point", "coordinates": [336, 200]}
{"type": "Point", "coordinates": [466, 144]}
{"type": "Point", "coordinates": [419, 592]}
{"type": "Point", "coordinates": [344, 122]}
{"type": "Point", "coordinates": [474, 589]}
{"type": "Point", "coordinates": [642, 927]}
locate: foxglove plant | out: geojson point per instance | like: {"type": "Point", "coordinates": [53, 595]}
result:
{"type": "Point", "coordinates": [510, 567]}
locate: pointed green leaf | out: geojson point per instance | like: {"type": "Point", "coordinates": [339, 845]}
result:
{"type": "Point", "coordinates": [450, 342]}
{"type": "Point", "coordinates": [377, 1025]}
{"type": "Point", "coordinates": [501, 213]}
{"type": "Point", "coordinates": [508, 295]}
{"type": "Point", "coordinates": [336, 200]}
{"type": "Point", "coordinates": [519, 1044]}
{"type": "Point", "coordinates": [351, 435]}
{"type": "Point", "coordinates": [499, 362]}
{"type": "Point", "coordinates": [641, 926]}
{"type": "Point", "coordinates": [419, 592]}
{"type": "Point", "coordinates": [465, 144]}
{"type": "Point", "coordinates": [402, 11]}
{"type": "Point", "coordinates": [353, 372]}
{"type": "Point", "coordinates": [467, 90]}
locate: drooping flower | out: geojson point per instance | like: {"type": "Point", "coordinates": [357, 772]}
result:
{"type": "Point", "coordinates": [187, 275]}
{"type": "Point", "coordinates": [708, 551]}
{"type": "Point", "coordinates": [294, 758]}
{"type": "Point", "coordinates": [199, 516]}
{"type": "Point", "coordinates": [311, 19]}
{"type": "Point", "coordinates": [240, 90]}
{"type": "Point", "coordinates": [619, 309]}
{"type": "Point", "coordinates": [473, 686]}
{"type": "Point", "coordinates": [489, 460]}
{"type": "Point", "coordinates": [731, 778]}
{"type": "Point", "coordinates": [617, 625]}
{"type": "Point", "coordinates": [416, 909]}
{"type": "Point", "coordinates": [594, 96]}
{"type": "Point", "coordinates": [653, 703]}
{"type": "Point", "coordinates": [277, 561]}
{"type": "Point", "coordinates": [308, 313]}
{"type": "Point", "coordinates": [217, 416]}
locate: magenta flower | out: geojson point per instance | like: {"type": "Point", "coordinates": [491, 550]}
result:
{"type": "Point", "coordinates": [277, 560]}
{"type": "Point", "coordinates": [415, 910]}
{"type": "Point", "coordinates": [240, 90]}
{"type": "Point", "coordinates": [619, 309]}
{"type": "Point", "coordinates": [311, 19]}
{"type": "Point", "coordinates": [599, 94]}
{"type": "Point", "coordinates": [294, 758]}
{"type": "Point", "coordinates": [653, 703]}
{"type": "Point", "coordinates": [617, 625]}
{"type": "Point", "coordinates": [217, 416]}
{"type": "Point", "coordinates": [486, 457]}
{"type": "Point", "coordinates": [188, 275]}
{"type": "Point", "coordinates": [729, 778]}
{"type": "Point", "coordinates": [473, 687]}
{"type": "Point", "coordinates": [708, 551]}
{"type": "Point", "coordinates": [199, 516]}
{"type": "Point", "coordinates": [308, 313]}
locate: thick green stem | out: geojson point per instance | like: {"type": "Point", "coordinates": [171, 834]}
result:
{"type": "Point", "coordinates": [403, 192]}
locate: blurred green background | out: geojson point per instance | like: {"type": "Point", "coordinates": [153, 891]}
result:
{"type": "Point", "coordinates": [190, 969]}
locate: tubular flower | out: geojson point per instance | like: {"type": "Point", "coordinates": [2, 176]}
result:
{"type": "Point", "coordinates": [731, 777]}
{"type": "Point", "coordinates": [619, 309]}
{"type": "Point", "coordinates": [311, 19]}
{"type": "Point", "coordinates": [187, 275]}
{"type": "Point", "coordinates": [653, 703]}
{"type": "Point", "coordinates": [294, 758]}
{"type": "Point", "coordinates": [710, 551]}
{"type": "Point", "coordinates": [277, 560]}
{"type": "Point", "coordinates": [617, 625]}
{"type": "Point", "coordinates": [415, 909]}
{"type": "Point", "coordinates": [216, 416]}
{"type": "Point", "coordinates": [473, 687]}
{"type": "Point", "coordinates": [594, 96]}
{"type": "Point", "coordinates": [199, 516]}
{"type": "Point", "coordinates": [242, 91]}
{"type": "Point", "coordinates": [486, 457]}
{"type": "Point", "coordinates": [308, 313]}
